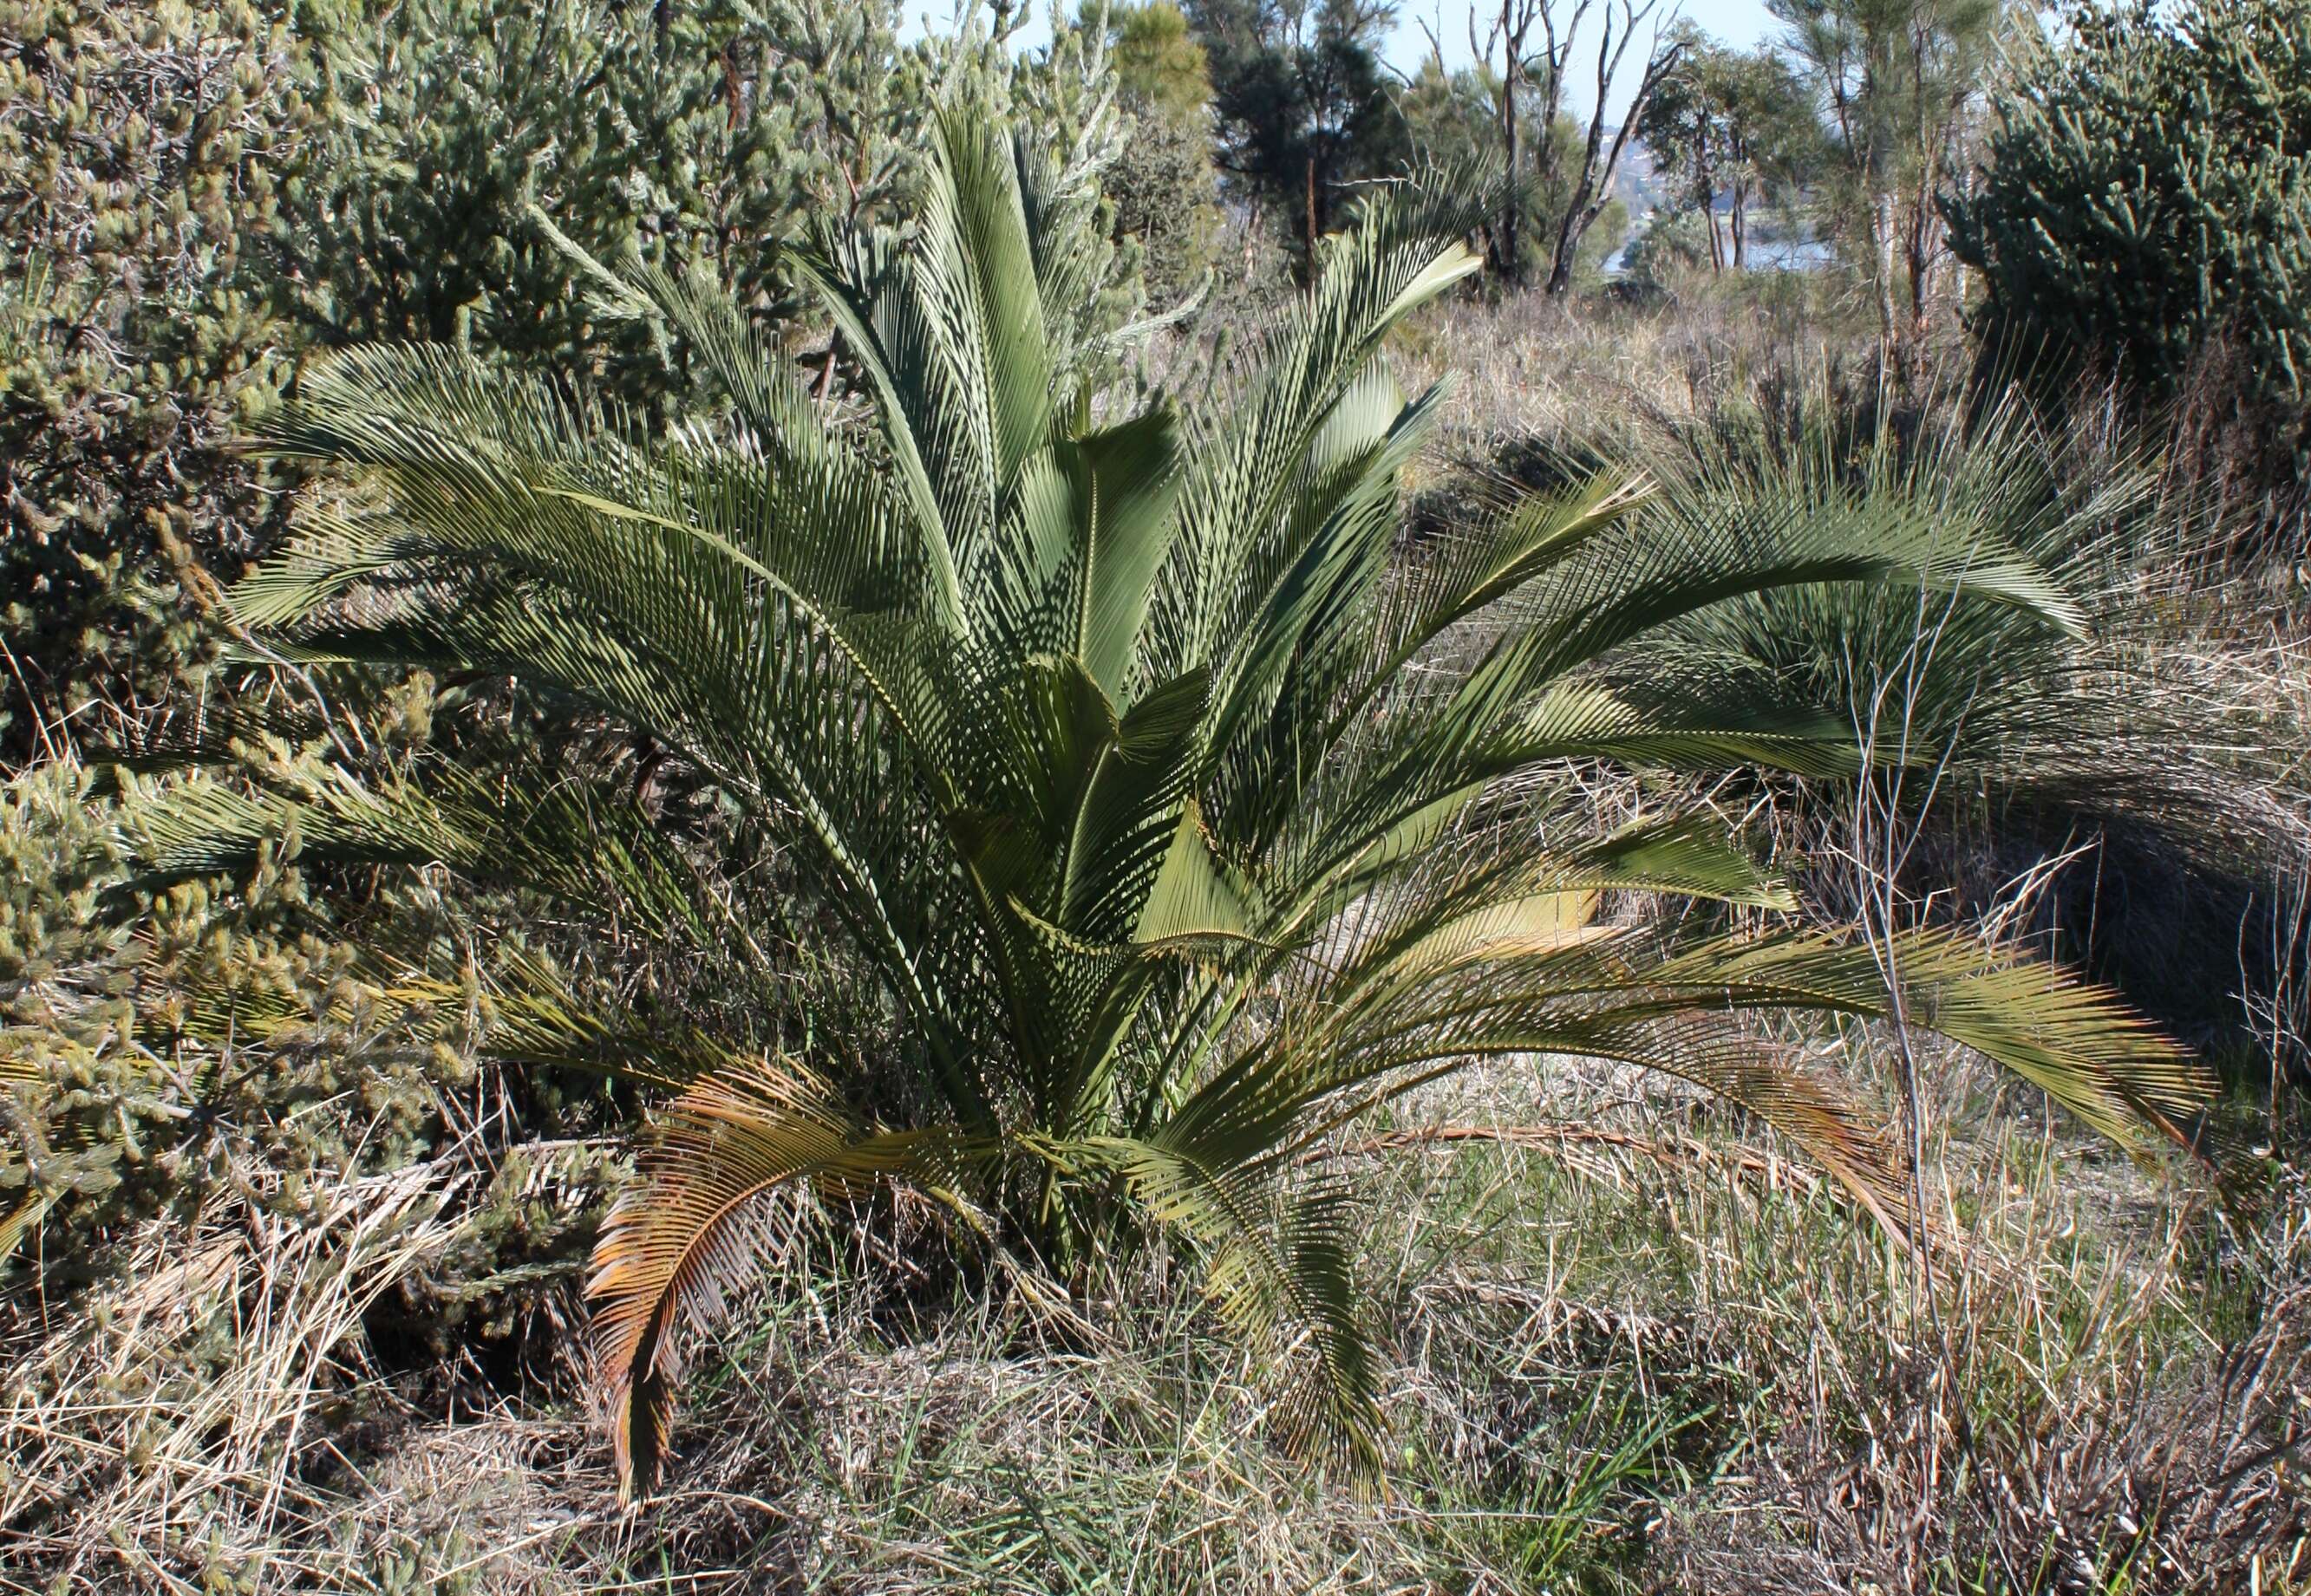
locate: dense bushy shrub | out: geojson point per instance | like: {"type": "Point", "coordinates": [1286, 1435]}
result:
{"type": "Point", "coordinates": [1162, 186]}
{"type": "Point", "coordinates": [152, 152]}
{"type": "Point", "coordinates": [156, 1060]}
{"type": "Point", "coordinates": [233, 1051]}
{"type": "Point", "coordinates": [710, 133]}
{"type": "Point", "coordinates": [196, 194]}
{"type": "Point", "coordinates": [2148, 193]}
{"type": "Point", "coordinates": [483, 140]}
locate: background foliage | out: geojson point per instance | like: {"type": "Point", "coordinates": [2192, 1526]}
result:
{"type": "Point", "coordinates": [195, 196]}
{"type": "Point", "coordinates": [153, 160]}
{"type": "Point", "coordinates": [2145, 203]}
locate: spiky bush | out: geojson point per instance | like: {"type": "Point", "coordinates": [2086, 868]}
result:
{"type": "Point", "coordinates": [494, 159]}
{"type": "Point", "coordinates": [1988, 690]}
{"type": "Point", "coordinates": [159, 1051]}
{"type": "Point", "coordinates": [195, 194]}
{"type": "Point", "coordinates": [2146, 195]}
{"type": "Point", "coordinates": [2110, 742]}
{"type": "Point", "coordinates": [150, 156]}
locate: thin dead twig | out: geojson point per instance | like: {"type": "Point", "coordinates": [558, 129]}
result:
{"type": "Point", "coordinates": [1672, 1150]}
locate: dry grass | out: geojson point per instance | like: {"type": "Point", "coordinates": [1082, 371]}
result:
{"type": "Point", "coordinates": [168, 1428]}
{"type": "Point", "coordinates": [1632, 1349]}
{"type": "Point", "coordinates": [1526, 366]}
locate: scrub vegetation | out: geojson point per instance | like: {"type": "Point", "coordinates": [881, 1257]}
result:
{"type": "Point", "coordinates": [793, 810]}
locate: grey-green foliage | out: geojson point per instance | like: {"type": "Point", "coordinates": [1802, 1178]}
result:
{"type": "Point", "coordinates": [142, 1065]}
{"type": "Point", "coordinates": [195, 193]}
{"type": "Point", "coordinates": [1161, 182]}
{"type": "Point", "coordinates": [2148, 189]}
{"type": "Point", "coordinates": [1064, 100]}
{"type": "Point", "coordinates": [219, 1040]}
{"type": "Point", "coordinates": [495, 146]}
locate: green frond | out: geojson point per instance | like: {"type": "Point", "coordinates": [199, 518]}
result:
{"type": "Point", "coordinates": [1657, 569]}
{"type": "Point", "coordinates": [1193, 898]}
{"type": "Point", "coordinates": [1121, 830]}
{"type": "Point", "coordinates": [587, 844]}
{"type": "Point", "coordinates": [1479, 566]}
{"type": "Point", "coordinates": [2076, 1041]}
{"type": "Point", "coordinates": [1128, 478]}
{"type": "Point", "coordinates": [1247, 458]}
{"type": "Point", "coordinates": [1276, 1263]}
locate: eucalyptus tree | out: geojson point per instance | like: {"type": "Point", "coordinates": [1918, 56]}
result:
{"type": "Point", "coordinates": [1300, 103]}
{"type": "Point", "coordinates": [1895, 84]}
{"type": "Point", "coordinates": [1176, 813]}
{"type": "Point", "coordinates": [1571, 166]}
{"type": "Point", "coordinates": [1600, 156]}
{"type": "Point", "coordinates": [1732, 122]}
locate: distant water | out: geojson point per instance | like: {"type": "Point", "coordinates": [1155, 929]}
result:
{"type": "Point", "coordinates": [1765, 255]}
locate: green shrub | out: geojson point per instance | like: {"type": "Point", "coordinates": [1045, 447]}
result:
{"type": "Point", "coordinates": [712, 134]}
{"type": "Point", "coordinates": [2148, 195]}
{"type": "Point", "coordinates": [1162, 186]}
{"type": "Point", "coordinates": [152, 152]}
{"type": "Point", "coordinates": [194, 193]}
{"type": "Point", "coordinates": [150, 1062]}
{"type": "Point", "coordinates": [231, 1049]}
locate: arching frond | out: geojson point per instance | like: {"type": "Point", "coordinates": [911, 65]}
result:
{"type": "Point", "coordinates": [685, 1236]}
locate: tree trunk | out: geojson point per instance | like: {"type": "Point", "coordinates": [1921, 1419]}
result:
{"type": "Point", "coordinates": [1881, 227]}
{"type": "Point", "coordinates": [1595, 186]}
{"type": "Point", "coordinates": [1705, 181]}
{"type": "Point", "coordinates": [1512, 267]}
{"type": "Point", "coordinates": [1578, 214]}
{"type": "Point", "coordinates": [1568, 240]}
{"type": "Point", "coordinates": [1740, 224]}
{"type": "Point", "coordinates": [1311, 221]}
{"type": "Point", "coordinates": [1923, 242]}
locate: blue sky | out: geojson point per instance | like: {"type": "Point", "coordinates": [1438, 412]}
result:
{"type": "Point", "coordinates": [1740, 22]}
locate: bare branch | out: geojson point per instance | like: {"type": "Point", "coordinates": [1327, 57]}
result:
{"type": "Point", "coordinates": [1593, 190]}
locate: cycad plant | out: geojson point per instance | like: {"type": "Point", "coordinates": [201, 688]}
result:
{"type": "Point", "coordinates": [2024, 698]}
{"type": "Point", "coordinates": [1176, 813]}
{"type": "Point", "coordinates": [2011, 730]}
